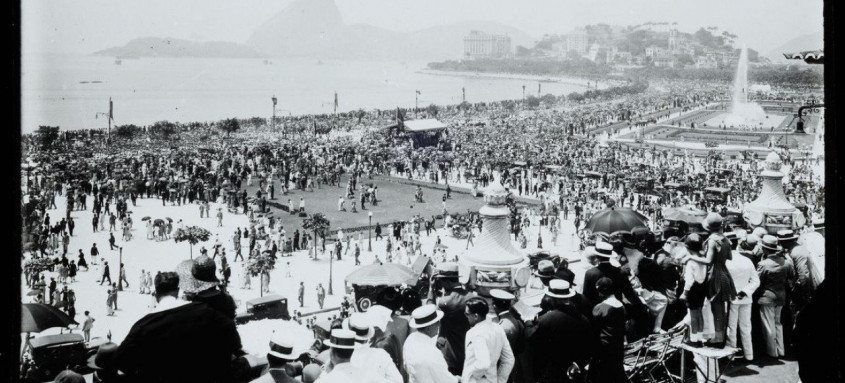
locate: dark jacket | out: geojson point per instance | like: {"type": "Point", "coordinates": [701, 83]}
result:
{"type": "Point", "coordinates": [621, 285]}
{"type": "Point", "coordinates": [189, 343]}
{"type": "Point", "coordinates": [454, 324]}
{"type": "Point", "coordinates": [555, 341]}
{"type": "Point", "coordinates": [217, 300]}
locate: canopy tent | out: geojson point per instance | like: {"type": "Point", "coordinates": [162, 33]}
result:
{"type": "Point", "coordinates": [424, 125]}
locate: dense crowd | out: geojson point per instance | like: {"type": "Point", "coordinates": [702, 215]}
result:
{"type": "Point", "coordinates": [715, 283]}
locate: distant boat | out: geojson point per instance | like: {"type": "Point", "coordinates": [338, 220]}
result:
{"type": "Point", "coordinates": [117, 61]}
{"type": "Point", "coordinates": [84, 82]}
{"type": "Point", "coordinates": [267, 62]}
{"type": "Point", "coordinates": [96, 82]}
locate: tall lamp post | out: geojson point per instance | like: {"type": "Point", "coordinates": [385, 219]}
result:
{"type": "Point", "coordinates": [273, 121]}
{"type": "Point", "coordinates": [120, 269]}
{"type": "Point", "coordinates": [370, 233]}
{"type": "Point", "coordinates": [416, 102]}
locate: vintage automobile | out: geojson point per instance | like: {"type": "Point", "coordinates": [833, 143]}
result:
{"type": "Point", "coordinates": [266, 307]}
{"type": "Point", "coordinates": [54, 353]}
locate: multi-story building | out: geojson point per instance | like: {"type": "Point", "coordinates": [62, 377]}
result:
{"type": "Point", "coordinates": [479, 44]}
{"type": "Point", "coordinates": [654, 51]}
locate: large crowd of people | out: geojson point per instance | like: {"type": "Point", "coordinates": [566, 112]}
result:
{"type": "Point", "coordinates": [716, 283]}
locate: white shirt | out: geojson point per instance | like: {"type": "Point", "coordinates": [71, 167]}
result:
{"type": "Point", "coordinates": [377, 361]}
{"type": "Point", "coordinates": [424, 362]}
{"type": "Point", "coordinates": [346, 373]}
{"type": "Point", "coordinates": [745, 277]}
{"type": "Point", "coordinates": [489, 357]}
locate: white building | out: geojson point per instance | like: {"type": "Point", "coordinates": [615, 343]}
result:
{"type": "Point", "coordinates": [480, 44]}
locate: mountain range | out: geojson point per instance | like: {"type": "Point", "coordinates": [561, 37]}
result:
{"type": "Point", "coordinates": [315, 28]}
{"type": "Point", "coordinates": [809, 42]}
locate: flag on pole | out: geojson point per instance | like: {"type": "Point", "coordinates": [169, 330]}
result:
{"type": "Point", "coordinates": [418, 92]}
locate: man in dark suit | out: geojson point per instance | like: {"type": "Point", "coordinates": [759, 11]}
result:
{"type": "Point", "coordinates": [558, 337]}
{"type": "Point", "coordinates": [454, 324]}
{"type": "Point", "coordinates": [606, 265]}
{"type": "Point", "coordinates": [179, 341]}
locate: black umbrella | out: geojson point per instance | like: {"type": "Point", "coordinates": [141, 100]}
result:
{"type": "Point", "coordinates": [37, 317]}
{"type": "Point", "coordinates": [616, 220]}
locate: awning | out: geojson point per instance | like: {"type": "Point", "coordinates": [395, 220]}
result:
{"type": "Point", "coordinates": [810, 57]}
{"type": "Point", "coordinates": [424, 125]}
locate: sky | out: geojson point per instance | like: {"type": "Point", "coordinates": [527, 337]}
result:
{"type": "Point", "coordinates": [85, 26]}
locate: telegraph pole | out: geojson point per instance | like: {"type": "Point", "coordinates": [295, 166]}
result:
{"type": "Point", "coordinates": [463, 94]}
{"type": "Point", "coordinates": [523, 93]}
{"type": "Point", "coordinates": [335, 102]}
{"type": "Point", "coordinates": [273, 121]}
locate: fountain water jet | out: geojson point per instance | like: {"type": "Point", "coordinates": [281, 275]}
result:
{"type": "Point", "coordinates": [742, 112]}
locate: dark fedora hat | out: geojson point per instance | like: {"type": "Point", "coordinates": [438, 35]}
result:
{"type": "Point", "coordinates": [204, 269]}
{"type": "Point", "coordinates": [104, 358]}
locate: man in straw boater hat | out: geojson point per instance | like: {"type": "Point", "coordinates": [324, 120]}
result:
{"type": "Point", "coordinates": [776, 273]}
{"type": "Point", "coordinates": [511, 321]}
{"type": "Point", "coordinates": [558, 326]}
{"type": "Point", "coordinates": [720, 286]}
{"type": "Point", "coordinates": [489, 357]}
{"type": "Point", "coordinates": [423, 361]}
{"type": "Point", "coordinates": [339, 369]}
{"type": "Point", "coordinates": [367, 357]}
{"type": "Point", "coordinates": [278, 358]}
{"type": "Point", "coordinates": [606, 264]}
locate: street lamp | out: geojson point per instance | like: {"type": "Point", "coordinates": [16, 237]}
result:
{"type": "Point", "coordinates": [273, 121]}
{"type": "Point", "coordinates": [120, 270]}
{"type": "Point", "coordinates": [370, 233]}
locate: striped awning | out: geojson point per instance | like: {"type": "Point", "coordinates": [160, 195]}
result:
{"type": "Point", "coordinates": [810, 57]}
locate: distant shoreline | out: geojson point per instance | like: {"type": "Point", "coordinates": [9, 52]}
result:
{"type": "Point", "coordinates": [516, 76]}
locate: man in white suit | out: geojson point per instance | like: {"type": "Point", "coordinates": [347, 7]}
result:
{"type": "Point", "coordinates": [488, 358]}
{"type": "Point", "coordinates": [746, 280]}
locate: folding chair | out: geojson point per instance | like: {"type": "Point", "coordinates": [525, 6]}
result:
{"type": "Point", "coordinates": [637, 360]}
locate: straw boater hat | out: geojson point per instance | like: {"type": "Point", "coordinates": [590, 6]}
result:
{"type": "Point", "coordinates": [545, 269]}
{"type": "Point", "coordinates": [759, 232]}
{"type": "Point", "coordinates": [359, 323]}
{"type": "Point", "coordinates": [770, 242]}
{"type": "Point", "coordinates": [425, 316]}
{"type": "Point", "coordinates": [786, 235]}
{"type": "Point", "coordinates": [712, 222]}
{"type": "Point", "coordinates": [558, 288]}
{"type": "Point", "coordinates": [281, 347]}
{"type": "Point", "coordinates": [342, 339]}
{"type": "Point", "coordinates": [604, 250]}
{"type": "Point", "coordinates": [502, 295]}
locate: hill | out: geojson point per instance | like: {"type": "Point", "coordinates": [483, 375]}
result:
{"type": "Point", "coordinates": [808, 42]}
{"type": "Point", "coordinates": [169, 47]}
{"type": "Point", "coordinates": [315, 28]}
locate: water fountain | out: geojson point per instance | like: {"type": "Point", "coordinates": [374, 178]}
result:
{"type": "Point", "coordinates": [743, 112]}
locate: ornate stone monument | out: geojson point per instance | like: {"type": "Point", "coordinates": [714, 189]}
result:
{"type": "Point", "coordinates": [772, 210]}
{"type": "Point", "coordinates": [493, 262]}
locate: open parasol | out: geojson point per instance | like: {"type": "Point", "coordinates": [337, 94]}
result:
{"type": "Point", "coordinates": [616, 220]}
{"type": "Point", "coordinates": [158, 222]}
{"type": "Point", "coordinates": [688, 214]}
{"type": "Point", "coordinates": [389, 274]}
{"type": "Point", "coordinates": [37, 317]}
{"type": "Point", "coordinates": [147, 218]}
